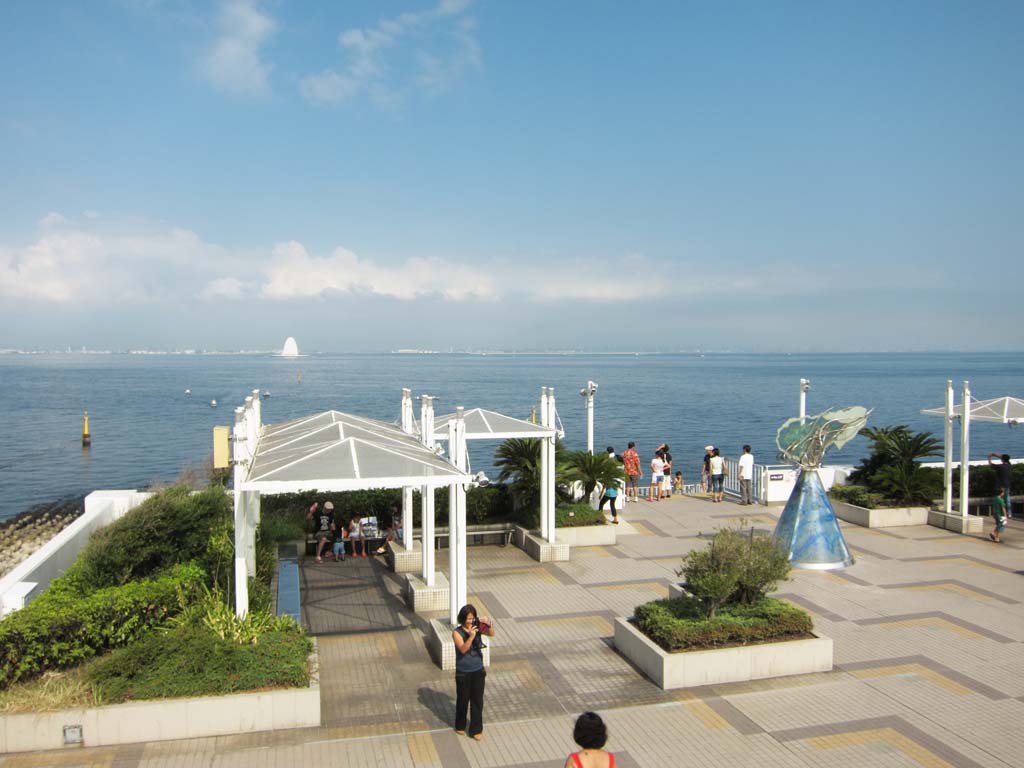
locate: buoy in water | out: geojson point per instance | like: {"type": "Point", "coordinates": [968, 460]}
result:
{"type": "Point", "coordinates": [213, 403]}
{"type": "Point", "coordinates": [266, 393]}
{"type": "Point", "coordinates": [188, 391]}
{"type": "Point", "coordinates": [86, 439]}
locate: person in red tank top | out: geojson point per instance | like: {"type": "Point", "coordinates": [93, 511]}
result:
{"type": "Point", "coordinates": [591, 734]}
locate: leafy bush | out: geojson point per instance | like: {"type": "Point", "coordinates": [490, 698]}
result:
{"type": "Point", "coordinates": [581, 514]}
{"type": "Point", "coordinates": [735, 568]}
{"type": "Point", "coordinates": [681, 624]}
{"type": "Point", "coordinates": [857, 495]}
{"type": "Point", "coordinates": [170, 528]}
{"type": "Point", "coordinates": [62, 628]}
{"type": "Point", "coordinates": [190, 660]}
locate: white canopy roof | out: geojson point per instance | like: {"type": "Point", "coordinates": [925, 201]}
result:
{"type": "Point", "coordinates": [1002, 410]}
{"type": "Point", "coordinates": [334, 451]}
{"type": "Point", "coordinates": [482, 424]}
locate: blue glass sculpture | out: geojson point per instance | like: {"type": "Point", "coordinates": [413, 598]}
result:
{"type": "Point", "coordinates": [808, 529]}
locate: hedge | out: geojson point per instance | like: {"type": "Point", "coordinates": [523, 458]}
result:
{"type": "Point", "coordinates": [679, 624]}
{"type": "Point", "coordinates": [59, 630]}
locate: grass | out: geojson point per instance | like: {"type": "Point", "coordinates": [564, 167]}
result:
{"type": "Point", "coordinates": [50, 692]}
{"type": "Point", "coordinates": [577, 515]}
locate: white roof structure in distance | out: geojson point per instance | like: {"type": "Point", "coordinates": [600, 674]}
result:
{"type": "Point", "coordinates": [1002, 410]}
{"type": "Point", "coordinates": [484, 424]}
{"type": "Point", "coordinates": [338, 451]}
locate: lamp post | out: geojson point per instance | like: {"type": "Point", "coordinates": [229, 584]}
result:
{"type": "Point", "coordinates": [587, 393]}
{"type": "Point", "coordinates": [805, 384]}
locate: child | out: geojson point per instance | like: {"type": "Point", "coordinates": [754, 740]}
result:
{"type": "Point", "coordinates": [678, 484]}
{"type": "Point", "coordinates": [339, 543]}
{"type": "Point", "coordinates": [355, 535]}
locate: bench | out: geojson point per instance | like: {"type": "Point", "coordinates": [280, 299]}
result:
{"type": "Point", "coordinates": [477, 535]}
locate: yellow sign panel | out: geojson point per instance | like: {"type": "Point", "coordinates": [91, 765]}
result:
{"type": "Point", "coordinates": [221, 454]}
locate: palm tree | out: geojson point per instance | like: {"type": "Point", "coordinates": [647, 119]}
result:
{"type": "Point", "coordinates": [592, 470]}
{"type": "Point", "coordinates": [893, 468]}
{"type": "Point", "coordinates": [518, 462]}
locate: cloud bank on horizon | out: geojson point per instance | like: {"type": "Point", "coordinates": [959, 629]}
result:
{"type": "Point", "coordinates": [448, 172]}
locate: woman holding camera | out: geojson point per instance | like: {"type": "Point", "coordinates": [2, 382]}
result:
{"type": "Point", "coordinates": [469, 670]}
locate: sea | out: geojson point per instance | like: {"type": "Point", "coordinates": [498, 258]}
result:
{"type": "Point", "coordinates": [146, 428]}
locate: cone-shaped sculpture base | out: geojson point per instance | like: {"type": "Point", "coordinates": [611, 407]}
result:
{"type": "Point", "coordinates": [808, 529]}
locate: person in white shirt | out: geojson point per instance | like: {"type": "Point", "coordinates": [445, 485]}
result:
{"type": "Point", "coordinates": [657, 473]}
{"type": "Point", "coordinates": [718, 470]}
{"type": "Point", "coordinates": [746, 463]}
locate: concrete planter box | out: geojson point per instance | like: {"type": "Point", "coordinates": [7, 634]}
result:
{"type": "Point", "coordinates": [166, 719]}
{"type": "Point", "coordinates": [425, 599]}
{"type": "Point", "coordinates": [958, 523]}
{"type": "Point", "coordinates": [586, 536]}
{"type": "Point", "coordinates": [883, 517]}
{"type": "Point", "coordinates": [690, 669]}
{"type": "Point", "coordinates": [540, 550]}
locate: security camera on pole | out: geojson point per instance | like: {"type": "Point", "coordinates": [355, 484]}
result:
{"type": "Point", "coordinates": [588, 397]}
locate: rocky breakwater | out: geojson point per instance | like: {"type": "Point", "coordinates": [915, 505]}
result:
{"type": "Point", "coordinates": [22, 535]}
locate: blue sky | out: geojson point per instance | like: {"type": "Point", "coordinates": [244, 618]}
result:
{"type": "Point", "coordinates": [532, 175]}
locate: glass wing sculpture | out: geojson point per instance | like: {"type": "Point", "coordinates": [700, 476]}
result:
{"type": "Point", "coordinates": [808, 529]}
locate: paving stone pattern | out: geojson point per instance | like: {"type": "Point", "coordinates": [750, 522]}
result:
{"type": "Point", "coordinates": [928, 631]}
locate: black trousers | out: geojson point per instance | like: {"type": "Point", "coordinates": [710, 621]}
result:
{"type": "Point", "coordinates": [469, 694]}
{"type": "Point", "coordinates": [600, 507]}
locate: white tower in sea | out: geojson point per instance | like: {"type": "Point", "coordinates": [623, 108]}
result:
{"type": "Point", "coordinates": [290, 349]}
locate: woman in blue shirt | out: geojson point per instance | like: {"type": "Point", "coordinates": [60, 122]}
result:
{"type": "Point", "coordinates": [469, 670]}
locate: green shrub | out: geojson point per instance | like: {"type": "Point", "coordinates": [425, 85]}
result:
{"type": "Point", "coordinates": [190, 660]}
{"type": "Point", "coordinates": [893, 468]}
{"type": "Point", "coordinates": [567, 515]}
{"type": "Point", "coordinates": [171, 527]}
{"type": "Point", "coordinates": [680, 624]}
{"type": "Point", "coordinates": [62, 628]}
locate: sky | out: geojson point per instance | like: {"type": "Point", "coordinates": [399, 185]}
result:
{"type": "Point", "coordinates": [600, 176]}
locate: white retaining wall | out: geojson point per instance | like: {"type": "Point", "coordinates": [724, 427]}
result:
{"type": "Point", "coordinates": [34, 574]}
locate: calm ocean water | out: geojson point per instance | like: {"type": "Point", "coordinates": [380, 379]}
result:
{"type": "Point", "coordinates": [146, 429]}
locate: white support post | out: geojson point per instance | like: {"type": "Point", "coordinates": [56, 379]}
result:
{"type": "Point", "coordinates": [543, 465]}
{"type": "Point", "coordinates": [947, 452]}
{"type": "Point", "coordinates": [257, 412]}
{"type": "Point", "coordinates": [457, 519]}
{"type": "Point", "coordinates": [250, 426]}
{"type": "Point", "coordinates": [805, 384]}
{"type": "Point", "coordinates": [406, 416]}
{"type": "Point", "coordinates": [549, 480]}
{"type": "Point", "coordinates": [427, 493]}
{"type": "Point", "coordinates": [588, 397]}
{"type": "Point", "coordinates": [407, 537]}
{"type": "Point", "coordinates": [257, 428]}
{"type": "Point", "coordinates": [965, 451]}
{"type": "Point", "coordinates": [241, 461]}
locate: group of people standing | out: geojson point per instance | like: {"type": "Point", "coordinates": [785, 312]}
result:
{"type": "Point", "coordinates": [714, 470]}
{"type": "Point", "coordinates": [661, 485]}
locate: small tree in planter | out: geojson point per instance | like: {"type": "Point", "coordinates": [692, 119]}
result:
{"type": "Point", "coordinates": [735, 568]}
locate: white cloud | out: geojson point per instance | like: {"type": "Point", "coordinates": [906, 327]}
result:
{"type": "Point", "coordinates": [137, 262]}
{"type": "Point", "coordinates": [235, 63]}
{"type": "Point", "coordinates": [52, 219]}
{"type": "Point", "coordinates": [223, 288]}
{"type": "Point", "coordinates": [293, 273]}
{"type": "Point", "coordinates": [444, 47]}
{"type": "Point", "coordinates": [91, 214]}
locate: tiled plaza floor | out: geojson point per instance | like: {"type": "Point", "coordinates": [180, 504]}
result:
{"type": "Point", "coordinates": [929, 665]}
